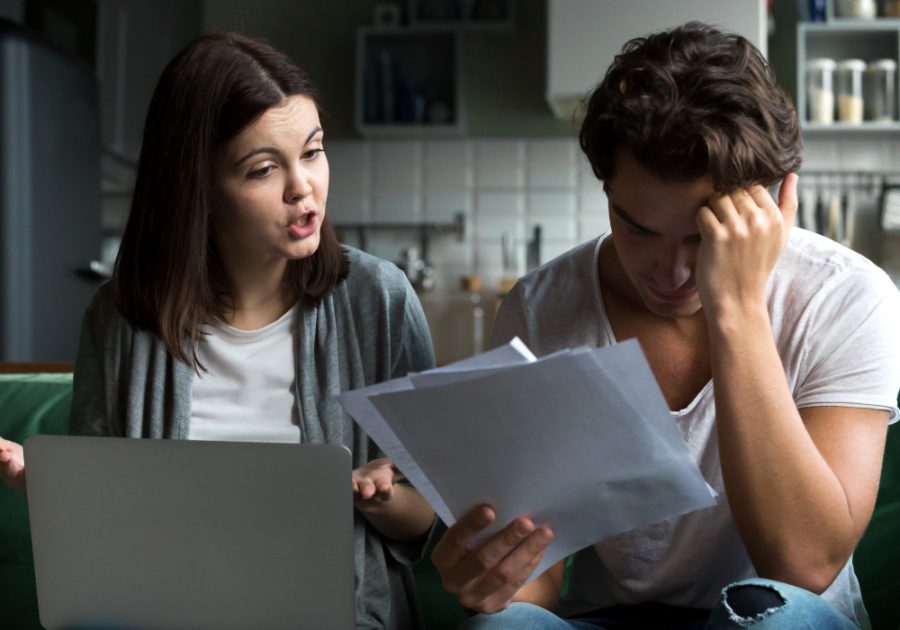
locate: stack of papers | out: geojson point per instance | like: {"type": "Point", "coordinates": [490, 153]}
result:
{"type": "Point", "coordinates": [581, 441]}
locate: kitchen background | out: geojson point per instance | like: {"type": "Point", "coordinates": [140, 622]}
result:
{"type": "Point", "coordinates": [449, 130]}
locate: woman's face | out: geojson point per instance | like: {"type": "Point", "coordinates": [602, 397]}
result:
{"type": "Point", "coordinates": [270, 184]}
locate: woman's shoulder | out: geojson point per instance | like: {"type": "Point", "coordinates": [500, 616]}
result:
{"type": "Point", "coordinates": [373, 279]}
{"type": "Point", "coordinates": [103, 311]}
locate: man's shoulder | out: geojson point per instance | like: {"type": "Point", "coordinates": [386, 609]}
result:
{"type": "Point", "coordinates": [816, 274]}
{"type": "Point", "coordinates": [571, 271]}
{"type": "Point", "coordinates": [813, 263]}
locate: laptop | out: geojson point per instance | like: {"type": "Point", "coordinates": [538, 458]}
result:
{"type": "Point", "coordinates": [168, 534]}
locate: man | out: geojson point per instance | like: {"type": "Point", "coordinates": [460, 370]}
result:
{"type": "Point", "coordinates": [776, 350]}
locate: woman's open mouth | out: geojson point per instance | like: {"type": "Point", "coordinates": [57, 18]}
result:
{"type": "Point", "coordinates": [304, 226]}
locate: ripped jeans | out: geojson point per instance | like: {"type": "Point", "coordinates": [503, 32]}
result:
{"type": "Point", "coordinates": [755, 603]}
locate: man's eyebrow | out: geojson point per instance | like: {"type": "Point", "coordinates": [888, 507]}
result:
{"type": "Point", "coordinates": [624, 216]}
{"type": "Point", "coordinates": [275, 150]}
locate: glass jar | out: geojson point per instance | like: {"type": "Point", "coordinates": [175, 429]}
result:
{"type": "Point", "coordinates": [850, 90]}
{"type": "Point", "coordinates": [820, 90]}
{"type": "Point", "coordinates": [879, 84]}
{"type": "Point", "coordinates": [860, 9]}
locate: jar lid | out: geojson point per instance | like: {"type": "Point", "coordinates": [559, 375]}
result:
{"type": "Point", "coordinates": [822, 63]}
{"type": "Point", "coordinates": [857, 65]}
{"type": "Point", "coordinates": [883, 64]}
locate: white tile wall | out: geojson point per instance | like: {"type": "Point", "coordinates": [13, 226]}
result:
{"type": "Point", "coordinates": [507, 186]}
{"type": "Point", "coordinates": [396, 182]}
{"type": "Point", "coordinates": [502, 186]}
{"type": "Point", "coordinates": [348, 192]}
{"type": "Point", "coordinates": [552, 163]}
{"type": "Point", "coordinates": [500, 163]}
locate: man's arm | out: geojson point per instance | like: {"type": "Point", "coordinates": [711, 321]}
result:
{"type": "Point", "coordinates": [801, 483]}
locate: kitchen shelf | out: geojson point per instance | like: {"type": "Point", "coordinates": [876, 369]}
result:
{"type": "Point", "coordinates": [465, 15]}
{"type": "Point", "coordinates": [408, 82]}
{"type": "Point", "coordinates": [844, 38]}
{"type": "Point", "coordinates": [869, 126]}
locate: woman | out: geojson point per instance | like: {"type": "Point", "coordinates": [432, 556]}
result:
{"type": "Point", "coordinates": [233, 312]}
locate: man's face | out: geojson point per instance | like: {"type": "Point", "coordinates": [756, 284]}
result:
{"type": "Point", "coordinates": [655, 235]}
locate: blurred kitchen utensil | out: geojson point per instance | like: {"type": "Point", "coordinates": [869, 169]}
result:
{"type": "Point", "coordinates": [533, 257]}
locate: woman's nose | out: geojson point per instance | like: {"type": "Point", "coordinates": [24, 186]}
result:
{"type": "Point", "coordinates": [297, 188]}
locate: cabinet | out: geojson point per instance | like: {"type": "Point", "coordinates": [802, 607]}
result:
{"type": "Point", "coordinates": [470, 15]}
{"type": "Point", "coordinates": [584, 36]}
{"type": "Point", "coordinates": [408, 82]}
{"type": "Point", "coordinates": [844, 38]}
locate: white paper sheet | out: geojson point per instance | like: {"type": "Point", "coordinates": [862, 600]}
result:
{"type": "Point", "coordinates": [581, 441]}
{"type": "Point", "coordinates": [357, 404]}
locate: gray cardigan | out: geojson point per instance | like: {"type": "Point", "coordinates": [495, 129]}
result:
{"type": "Point", "coordinates": [369, 330]}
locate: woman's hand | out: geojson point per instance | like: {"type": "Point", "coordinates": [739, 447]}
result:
{"type": "Point", "coordinates": [374, 482]}
{"type": "Point", "coordinates": [398, 512]}
{"type": "Point", "coordinates": [12, 465]}
{"type": "Point", "coordinates": [742, 236]}
{"type": "Point", "coordinates": [486, 579]}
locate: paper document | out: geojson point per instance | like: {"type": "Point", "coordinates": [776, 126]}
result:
{"type": "Point", "coordinates": [581, 441]}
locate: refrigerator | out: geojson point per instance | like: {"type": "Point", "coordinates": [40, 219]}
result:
{"type": "Point", "coordinates": [50, 227]}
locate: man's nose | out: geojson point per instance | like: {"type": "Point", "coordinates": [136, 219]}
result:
{"type": "Point", "coordinates": [674, 268]}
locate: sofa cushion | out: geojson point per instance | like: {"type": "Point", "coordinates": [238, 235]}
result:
{"type": "Point", "coordinates": [878, 555]}
{"type": "Point", "coordinates": [29, 404]}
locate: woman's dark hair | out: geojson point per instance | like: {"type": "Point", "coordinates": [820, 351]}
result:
{"type": "Point", "coordinates": [691, 102]}
{"type": "Point", "coordinates": [165, 274]}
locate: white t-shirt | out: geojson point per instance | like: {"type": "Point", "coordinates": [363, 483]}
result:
{"type": "Point", "coordinates": [248, 393]}
{"type": "Point", "coordinates": [836, 323]}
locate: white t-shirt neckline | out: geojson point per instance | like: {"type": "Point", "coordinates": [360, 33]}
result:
{"type": "Point", "coordinates": [607, 327]}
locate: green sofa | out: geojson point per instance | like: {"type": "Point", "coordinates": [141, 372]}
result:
{"type": "Point", "coordinates": [39, 403]}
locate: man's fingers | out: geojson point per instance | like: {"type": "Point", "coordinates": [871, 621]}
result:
{"type": "Point", "coordinates": [510, 567]}
{"type": "Point", "coordinates": [453, 545]}
{"type": "Point", "coordinates": [500, 599]}
{"type": "Point", "coordinates": [474, 565]}
{"type": "Point", "coordinates": [787, 199]}
{"type": "Point", "coordinates": [724, 208]}
{"type": "Point", "coordinates": [787, 194]}
{"type": "Point", "coordinates": [493, 591]}
{"type": "Point", "coordinates": [708, 224]}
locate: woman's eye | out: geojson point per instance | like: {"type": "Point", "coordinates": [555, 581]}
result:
{"type": "Point", "coordinates": [635, 232]}
{"type": "Point", "coordinates": [262, 172]}
{"type": "Point", "coordinates": [312, 154]}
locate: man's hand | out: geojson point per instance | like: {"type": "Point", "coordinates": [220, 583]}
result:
{"type": "Point", "coordinates": [12, 465]}
{"type": "Point", "coordinates": [742, 236]}
{"type": "Point", "coordinates": [486, 579]}
{"type": "Point", "coordinates": [374, 482]}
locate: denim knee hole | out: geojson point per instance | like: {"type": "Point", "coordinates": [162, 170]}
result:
{"type": "Point", "coordinates": [749, 603]}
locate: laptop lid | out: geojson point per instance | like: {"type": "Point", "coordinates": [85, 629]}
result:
{"type": "Point", "coordinates": [169, 534]}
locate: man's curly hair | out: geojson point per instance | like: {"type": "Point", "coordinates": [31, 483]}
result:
{"type": "Point", "coordinates": [691, 102]}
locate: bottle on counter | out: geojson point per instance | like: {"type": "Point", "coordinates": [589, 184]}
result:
{"type": "Point", "coordinates": [859, 9]}
{"type": "Point", "coordinates": [879, 83]}
{"type": "Point", "coordinates": [820, 89]}
{"type": "Point", "coordinates": [850, 90]}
